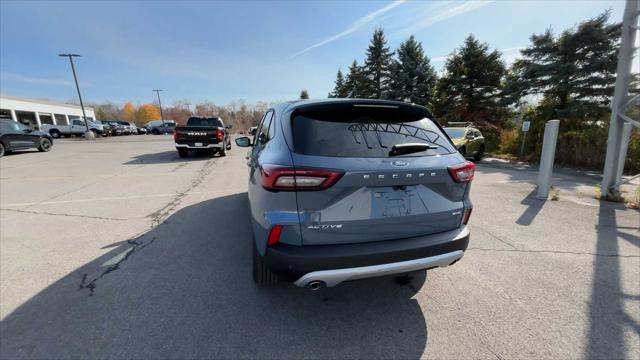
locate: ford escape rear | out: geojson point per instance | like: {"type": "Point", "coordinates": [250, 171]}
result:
{"type": "Point", "coordinates": [348, 189]}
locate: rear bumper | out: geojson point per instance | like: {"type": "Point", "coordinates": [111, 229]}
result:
{"type": "Point", "coordinates": [333, 264]}
{"type": "Point", "coordinates": [207, 146]}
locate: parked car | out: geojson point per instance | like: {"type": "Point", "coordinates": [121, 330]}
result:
{"type": "Point", "coordinates": [15, 136]}
{"type": "Point", "coordinates": [467, 139]}
{"type": "Point", "coordinates": [157, 127]}
{"type": "Point", "coordinates": [77, 127]}
{"type": "Point", "coordinates": [108, 129]}
{"type": "Point", "coordinates": [203, 134]}
{"type": "Point", "coordinates": [129, 128]}
{"type": "Point", "coordinates": [141, 130]}
{"type": "Point", "coordinates": [346, 189]}
{"type": "Point", "coordinates": [118, 129]}
{"type": "Point", "coordinates": [252, 130]}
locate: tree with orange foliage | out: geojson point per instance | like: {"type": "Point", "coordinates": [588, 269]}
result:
{"type": "Point", "coordinates": [146, 113]}
{"type": "Point", "coordinates": [129, 111]}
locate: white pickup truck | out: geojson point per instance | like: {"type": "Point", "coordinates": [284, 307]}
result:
{"type": "Point", "coordinates": [77, 127]}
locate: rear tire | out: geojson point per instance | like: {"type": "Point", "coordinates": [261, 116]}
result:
{"type": "Point", "coordinates": [45, 145]}
{"type": "Point", "coordinates": [54, 134]}
{"type": "Point", "coordinates": [480, 154]}
{"type": "Point", "coordinates": [1, 149]}
{"type": "Point", "coordinates": [222, 152]}
{"type": "Point", "coordinates": [183, 153]}
{"type": "Point", "coordinates": [463, 151]}
{"type": "Point", "coordinates": [261, 273]}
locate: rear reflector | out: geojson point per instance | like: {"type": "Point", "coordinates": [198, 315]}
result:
{"type": "Point", "coordinates": [175, 135]}
{"type": "Point", "coordinates": [278, 177]}
{"type": "Point", "coordinates": [466, 215]}
{"type": "Point", "coordinates": [274, 235]}
{"type": "Point", "coordinates": [463, 173]}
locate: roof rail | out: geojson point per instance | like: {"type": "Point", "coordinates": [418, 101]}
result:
{"type": "Point", "coordinates": [461, 123]}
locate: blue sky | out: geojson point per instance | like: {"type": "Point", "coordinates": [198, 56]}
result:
{"type": "Point", "coordinates": [256, 51]}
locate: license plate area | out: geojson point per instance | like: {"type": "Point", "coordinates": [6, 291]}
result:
{"type": "Point", "coordinates": [198, 144]}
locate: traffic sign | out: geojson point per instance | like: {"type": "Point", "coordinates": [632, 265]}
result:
{"type": "Point", "coordinates": [525, 126]}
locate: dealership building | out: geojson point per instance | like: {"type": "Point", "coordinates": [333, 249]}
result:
{"type": "Point", "coordinates": [34, 113]}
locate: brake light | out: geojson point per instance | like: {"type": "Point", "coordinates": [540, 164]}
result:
{"type": "Point", "coordinates": [278, 177]}
{"type": "Point", "coordinates": [463, 173]}
{"type": "Point", "coordinates": [466, 215]}
{"type": "Point", "coordinates": [175, 135]}
{"type": "Point", "coordinates": [274, 235]}
{"type": "Point", "coordinates": [219, 134]}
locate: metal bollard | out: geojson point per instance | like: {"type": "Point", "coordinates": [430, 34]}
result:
{"type": "Point", "coordinates": [547, 158]}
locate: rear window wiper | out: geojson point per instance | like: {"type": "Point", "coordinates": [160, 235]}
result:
{"type": "Point", "coordinates": [409, 148]}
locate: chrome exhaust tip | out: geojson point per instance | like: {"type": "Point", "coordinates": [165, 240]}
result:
{"type": "Point", "coordinates": [315, 285]}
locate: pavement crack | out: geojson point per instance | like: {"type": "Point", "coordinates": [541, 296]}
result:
{"type": "Point", "coordinates": [61, 214]}
{"type": "Point", "coordinates": [160, 215]}
{"type": "Point", "coordinates": [495, 236]}
{"type": "Point", "coordinates": [137, 243]}
{"type": "Point", "coordinates": [554, 252]}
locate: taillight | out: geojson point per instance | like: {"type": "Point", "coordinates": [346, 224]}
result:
{"type": "Point", "coordinates": [175, 135]}
{"type": "Point", "coordinates": [463, 173]}
{"type": "Point", "coordinates": [219, 135]}
{"type": "Point", "coordinates": [278, 177]}
{"type": "Point", "coordinates": [466, 215]}
{"type": "Point", "coordinates": [274, 235]}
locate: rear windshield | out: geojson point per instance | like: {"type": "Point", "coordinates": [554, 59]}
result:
{"type": "Point", "coordinates": [364, 137]}
{"type": "Point", "coordinates": [204, 122]}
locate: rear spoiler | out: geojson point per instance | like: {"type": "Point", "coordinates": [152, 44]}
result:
{"type": "Point", "coordinates": [380, 110]}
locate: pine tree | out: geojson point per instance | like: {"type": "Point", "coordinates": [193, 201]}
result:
{"type": "Point", "coordinates": [304, 94]}
{"type": "Point", "coordinates": [376, 66]}
{"type": "Point", "coordinates": [340, 89]}
{"type": "Point", "coordinates": [412, 78]}
{"type": "Point", "coordinates": [576, 70]}
{"type": "Point", "coordinates": [471, 86]}
{"type": "Point", "coordinates": [356, 83]}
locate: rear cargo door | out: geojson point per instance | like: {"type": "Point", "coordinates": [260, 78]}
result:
{"type": "Point", "coordinates": [378, 197]}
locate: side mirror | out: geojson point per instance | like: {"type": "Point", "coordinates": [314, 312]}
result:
{"type": "Point", "coordinates": [27, 130]}
{"type": "Point", "coordinates": [243, 141]}
{"type": "Point", "coordinates": [229, 126]}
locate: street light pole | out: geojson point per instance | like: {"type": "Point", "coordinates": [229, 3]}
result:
{"type": "Point", "coordinates": [160, 105]}
{"type": "Point", "coordinates": [75, 78]}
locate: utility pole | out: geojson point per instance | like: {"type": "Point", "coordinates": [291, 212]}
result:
{"type": "Point", "coordinates": [88, 134]}
{"type": "Point", "coordinates": [620, 103]}
{"type": "Point", "coordinates": [160, 106]}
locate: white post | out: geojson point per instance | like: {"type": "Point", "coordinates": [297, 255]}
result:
{"type": "Point", "coordinates": [14, 117]}
{"type": "Point", "coordinates": [626, 135]}
{"type": "Point", "coordinates": [66, 118]}
{"type": "Point", "coordinates": [547, 158]}
{"type": "Point", "coordinates": [53, 119]}
{"type": "Point", "coordinates": [38, 120]}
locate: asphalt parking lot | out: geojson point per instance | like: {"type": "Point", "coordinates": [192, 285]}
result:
{"type": "Point", "coordinates": [117, 248]}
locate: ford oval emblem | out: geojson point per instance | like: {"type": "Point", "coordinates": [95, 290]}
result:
{"type": "Point", "coordinates": [399, 163]}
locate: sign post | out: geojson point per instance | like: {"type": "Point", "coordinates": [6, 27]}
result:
{"type": "Point", "coordinates": [525, 129]}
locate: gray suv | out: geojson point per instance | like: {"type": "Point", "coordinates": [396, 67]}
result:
{"type": "Point", "coordinates": [346, 189]}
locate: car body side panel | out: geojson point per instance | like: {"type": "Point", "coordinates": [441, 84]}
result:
{"type": "Point", "coordinates": [270, 208]}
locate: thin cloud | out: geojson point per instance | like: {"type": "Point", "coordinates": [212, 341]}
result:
{"type": "Point", "coordinates": [7, 76]}
{"type": "Point", "coordinates": [452, 9]}
{"type": "Point", "coordinates": [351, 28]}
